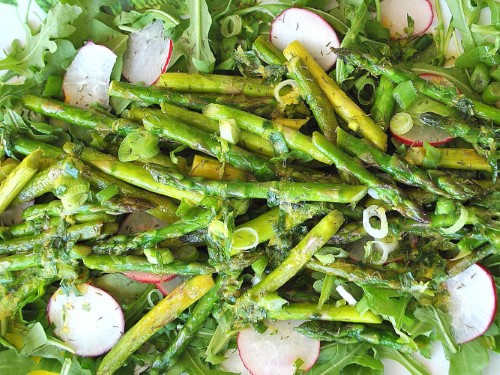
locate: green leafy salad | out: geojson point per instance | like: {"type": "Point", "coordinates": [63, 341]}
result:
{"type": "Point", "coordinates": [250, 187]}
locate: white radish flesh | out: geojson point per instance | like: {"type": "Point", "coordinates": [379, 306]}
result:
{"type": "Point", "coordinates": [395, 16]}
{"type": "Point", "coordinates": [472, 303]}
{"type": "Point", "coordinates": [276, 350]}
{"type": "Point", "coordinates": [87, 78]}
{"type": "Point", "coordinates": [420, 133]}
{"type": "Point", "coordinates": [91, 323]}
{"type": "Point", "coordinates": [148, 54]}
{"type": "Point", "coordinates": [310, 29]}
{"type": "Point", "coordinates": [234, 364]}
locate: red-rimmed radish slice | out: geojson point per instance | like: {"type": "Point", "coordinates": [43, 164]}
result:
{"type": "Point", "coordinates": [419, 134]}
{"type": "Point", "coordinates": [395, 16]}
{"type": "Point", "coordinates": [276, 350]}
{"type": "Point", "coordinates": [167, 286]}
{"type": "Point", "coordinates": [148, 277]}
{"type": "Point", "coordinates": [87, 79]}
{"type": "Point", "coordinates": [148, 54]}
{"type": "Point", "coordinates": [233, 363]}
{"type": "Point", "coordinates": [310, 29]}
{"type": "Point", "coordinates": [91, 322]}
{"type": "Point", "coordinates": [472, 303]}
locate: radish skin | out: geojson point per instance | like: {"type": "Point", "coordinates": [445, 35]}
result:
{"type": "Point", "coordinates": [472, 303]}
{"type": "Point", "coordinates": [147, 48]}
{"type": "Point", "coordinates": [395, 12]}
{"type": "Point", "coordinates": [91, 323]}
{"type": "Point", "coordinates": [276, 350]}
{"type": "Point", "coordinates": [311, 30]}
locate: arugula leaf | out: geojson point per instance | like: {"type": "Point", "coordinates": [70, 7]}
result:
{"type": "Point", "coordinates": [464, 14]}
{"type": "Point", "coordinates": [9, 2]}
{"type": "Point", "coordinates": [441, 324]}
{"type": "Point", "coordinates": [471, 359]}
{"type": "Point", "coordinates": [57, 25]}
{"type": "Point", "coordinates": [15, 364]}
{"type": "Point", "coordinates": [195, 38]}
{"type": "Point", "coordinates": [410, 363]}
{"type": "Point", "coordinates": [333, 358]}
{"type": "Point", "coordinates": [191, 362]}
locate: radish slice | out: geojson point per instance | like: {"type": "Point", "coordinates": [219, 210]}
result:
{"type": "Point", "coordinates": [394, 16]}
{"type": "Point", "coordinates": [276, 350]}
{"type": "Point", "coordinates": [310, 29]}
{"type": "Point", "coordinates": [148, 54]}
{"type": "Point", "coordinates": [91, 322]}
{"type": "Point", "coordinates": [472, 303]}
{"type": "Point", "coordinates": [233, 363]}
{"type": "Point", "coordinates": [87, 78]}
{"type": "Point", "coordinates": [420, 133]}
{"type": "Point", "coordinates": [167, 286]}
{"type": "Point", "coordinates": [148, 277]}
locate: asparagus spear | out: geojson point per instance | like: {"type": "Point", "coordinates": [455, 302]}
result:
{"type": "Point", "coordinates": [128, 172]}
{"type": "Point", "coordinates": [165, 311]}
{"type": "Point", "coordinates": [215, 84]}
{"type": "Point", "coordinates": [353, 334]}
{"type": "Point", "coordinates": [165, 126]}
{"type": "Point", "coordinates": [198, 317]}
{"type": "Point", "coordinates": [266, 129]}
{"type": "Point", "coordinates": [408, 174]}
{"type": "Point", "coordinates": [277, 191]}
{"type": "Point", "coordinates": [443, 94]}
{"type": "Point", "coordinates": [311, 92]}
{"type": "Point", "coordinates": [18, 178]}
{"type": "Point", "coordinates": [92, 120]}
{"type": "Point", "coordinates": [453, 158]}
{"type": "Point", "coordinates": [343, 105]}
{"type": "Point", "coordinates": [246, 140]}
{"type": "Point", "coordinates": [157, 95]}
{"type": "Point", "coordinates": [389, 193]}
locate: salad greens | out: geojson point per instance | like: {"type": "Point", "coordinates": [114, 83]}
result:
{"type": "Point", "coordinates": [281, 220]}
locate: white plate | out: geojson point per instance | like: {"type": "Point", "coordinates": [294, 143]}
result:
{"type": "Point", "coordinates": [11, 21]}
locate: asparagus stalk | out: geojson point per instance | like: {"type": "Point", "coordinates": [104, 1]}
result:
{"type": "Point", "coordinates": [157, 95]}
{"type": "Point", "coordinates": [389, 193]}
{"type": "Point", "coordinates": [129, 263]}
{"type": "Point", "coordinates": [164, 312]}
{"type": "Point", "coordinates": [298, 256]}
{"type": "Point", "coordinates": [443, 94]}
{"type": "Point", "coordinates": [215, 84]}
{"type": "Point", "coordinates": [18, 178]}
{"type": "Point", "coordinates": [91, 120]}
{"type": "Point", "coordinates": [310, 311]}
{"type": "Point", "coordinates": [353, 334]}
{"type": "Point", "coordinates": [79, 232]}
{"type": "Point", "coordinates": [408, 174]}
{"type": "Point", "coordinates": [165, 126]}
{"type": "Point", "coordinates": [41, 183]}
{"type": "Point", "coordinates": [247, 140]}
{"type": "Point", "coordinates": [311, 92]}
{"type": "Point", "coordinates": [266, 129]}
{"type": "Point", "coordinates": [121, 243]}
{"type": "Point", "coordinates": [343, 105]}
{"type": "Point", "coordinates": [453, 158]}
{"type": "Point", "coordinates": [282, 191]}
{"type": "Point", "coordinates": [196, 320]}
{"type": "Point", "coordinates": [128, 172]}
{"type": "Point", "coordinates": [268, 52]}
